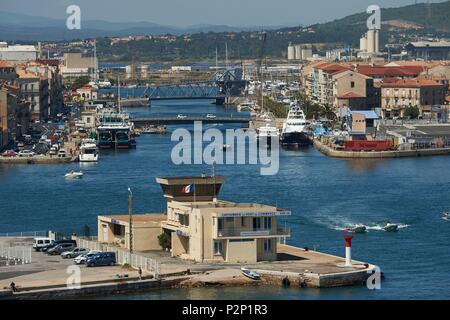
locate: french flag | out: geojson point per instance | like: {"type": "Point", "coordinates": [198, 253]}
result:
{"type": "Point", "coordinates": [188, 189]}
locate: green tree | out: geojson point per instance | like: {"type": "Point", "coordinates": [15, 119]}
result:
{"type": "Point", "coordinates": [80, 81]}
{"type": "Point", "coordinates": [164, 240]}
{"type": "Point", "coordinates": [412, 112]}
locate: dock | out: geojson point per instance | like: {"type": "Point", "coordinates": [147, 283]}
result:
{"type": "Point", "coordinates": [46, 276]}
{"type": "Point", "coordinates": [331, 152]}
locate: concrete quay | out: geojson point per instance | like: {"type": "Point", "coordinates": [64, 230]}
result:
{"type": "Point", "coordinates": [329, 151]}
{"type": "Point", "coordinates": [46, 277]}
{"type": "Point", "coordinates": [37, 160]}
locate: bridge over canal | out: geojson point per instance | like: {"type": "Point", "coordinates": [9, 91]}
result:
{"type": "Point", "coordinates": [168, 120]}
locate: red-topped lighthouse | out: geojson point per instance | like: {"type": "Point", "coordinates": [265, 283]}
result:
{"type": "Point", "coordinates": [348, 250]}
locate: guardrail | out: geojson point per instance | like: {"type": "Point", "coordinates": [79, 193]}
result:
{"type": "Point", "coordinates": [25, 234]}
{"type": "Point", "coordinates": [250, 232]}
{"type": "Point", "coordinates": [123, 256]}
{"type": "Point", "coordinates": [15, 255]}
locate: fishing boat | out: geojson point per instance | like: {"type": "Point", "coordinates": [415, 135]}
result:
{"type": "Point", "coordinates": [250, 274]}
{"type": "Point", "coordinates": [114, 129]}
{"type": "Point", "coordinates": [74, 174]}
{"type": "Point", "coordinates": [390, 227]}
{"type": "Point", "coordinates": [88, 151]}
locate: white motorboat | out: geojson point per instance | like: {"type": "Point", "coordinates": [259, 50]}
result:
{"type": "Point", "coordinates": [250, 274]}
{"type": "Point", "coordinates": [360, 228]}
{"type": "Point", "coordinates": [390, 227]}
{"type": "Point", "coordinates": [226, 147]}
{"type": "Point", "coordinates": [446, 216]}
{"type": "Point", "coordinates": [88, 151]}
{"type": "Point", "coordinates": [74, 174]}
{"type": "Point", "coordinates": [267, 133]}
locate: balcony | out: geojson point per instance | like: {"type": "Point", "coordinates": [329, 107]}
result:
{"type": "Point", "coordinates": [280, 231]}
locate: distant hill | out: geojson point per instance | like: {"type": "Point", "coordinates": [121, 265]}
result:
{"type": "Point", "coordinates": [20, 27]}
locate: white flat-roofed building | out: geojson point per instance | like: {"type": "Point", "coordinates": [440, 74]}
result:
{"type": "Point", "coordinates": [19, 53]}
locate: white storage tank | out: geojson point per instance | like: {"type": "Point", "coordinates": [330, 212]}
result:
{"type": "Point", "coordinates": [291, 52]}
{"type": "Point", "coordinates": [307, 53]}
{"type": "Point", "coordinates": [298, 52]}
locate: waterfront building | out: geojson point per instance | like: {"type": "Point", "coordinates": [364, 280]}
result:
{"type": "Point", "coordinates": [145, 229]}
{"type": "Point", "coordinates": [197, 226]}
{"type": "Point", "coordinates": [34, 89]}
{"type": "Point", "coordinates": [14, 114]}
{"type": "Point", "coordinates": [204, 229]}
{"type": "Point", "coordinates": [398, 95]}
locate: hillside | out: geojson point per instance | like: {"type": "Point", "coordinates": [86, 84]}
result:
{"type": "Point", "coordinates": [399, 25]}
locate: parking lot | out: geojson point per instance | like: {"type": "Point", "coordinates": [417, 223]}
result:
{"type": "Point", "coordinates": [47, 271]}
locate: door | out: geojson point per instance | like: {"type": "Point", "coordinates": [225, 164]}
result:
{"type": "Point", "coordinates": [105, 232]}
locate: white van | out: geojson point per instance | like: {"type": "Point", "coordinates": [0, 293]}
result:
{"type": "Point", "coordinates": [40, 242]}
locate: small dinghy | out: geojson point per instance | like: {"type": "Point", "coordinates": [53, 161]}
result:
{"type": "Point", "coordinates": [390, 227]}
{"type": "Point", "coordinates": [74, 174]}
{"type": "Point", "coordinates": [251, 274]}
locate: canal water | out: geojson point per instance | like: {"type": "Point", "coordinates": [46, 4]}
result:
{"type": "Point", "coordinates": [324, 195]}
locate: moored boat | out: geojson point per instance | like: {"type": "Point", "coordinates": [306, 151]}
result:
{"type": "Point", "coordinates": [74, 174]}
{"type": "Point", "coordinates": [251, 274]}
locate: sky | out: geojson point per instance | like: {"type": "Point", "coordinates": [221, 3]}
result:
{"type": "Point", "coordinates": [181, 13]}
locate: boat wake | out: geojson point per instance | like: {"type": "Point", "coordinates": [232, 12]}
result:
{"type": "Point", "coordinates": [369, 227]}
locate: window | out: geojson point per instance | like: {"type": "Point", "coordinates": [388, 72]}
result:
{"type": "Point", "coordinates": [218, 247]}
{"type": "Point", "coordinates": [267, 223]}
{"type": "Point", "coordinates": [256, 224]}
{"type": "Point", "coordinates": [352, 84]}
{"type": "Point", "coordinates": [117, 229]}
{"type": "Point", "coordinates": [242, 222]}
{"type": "Point", "coordinates": [220, 223]}
{"type": "Point", "coordinates": [267, 245]}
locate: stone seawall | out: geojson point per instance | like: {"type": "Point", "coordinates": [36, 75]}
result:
{"type": "Point", "coordinates": [36, 160]}
{"type": "Point", "coordinates": [99, 289]}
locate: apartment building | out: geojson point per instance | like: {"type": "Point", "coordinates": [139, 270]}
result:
{"type": "Point", "coordinates": [398, 95]}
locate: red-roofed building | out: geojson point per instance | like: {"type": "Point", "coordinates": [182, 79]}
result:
{"type": "Point", "coordinates": [418, 92]}
{"type": "Point", "coordinates": [381, 72]}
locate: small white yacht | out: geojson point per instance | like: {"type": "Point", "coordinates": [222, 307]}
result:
{"type": "Point", "coordinates": [74, 174]}
{"type": "Point", "coordinates": [266, 133]}
{"type": "Point", "coordinates": [88, 151]}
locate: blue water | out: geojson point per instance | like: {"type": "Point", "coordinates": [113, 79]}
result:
{"type": "Point", "coordinates": [324, 195]}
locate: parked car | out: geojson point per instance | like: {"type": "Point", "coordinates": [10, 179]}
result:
{"type": "Point", "coordinates": [181, 116]}
{"type": "Point", "coordinates": [62, 153]}
{"type": "Point", "coordinates": [74, 253]}
{"type": "Point", "coordinates": [40, 242]}
{"type": "Point", "coordinates": [102, 259]}
{"type": "Point", "coordinates": [210, 116]}
{"type": "Point", "coordinates": [26, 153]}
{"type": "Point", "coordinates": [53, 151]}
{"type": "Point", "coordinates": [81, 259]}
{"type": "Point", "coordinates": [57, 242]}
{"type": "Point", "coordinates": [60, 248]}
{"type": "Point", "coordinates": [9, 153]}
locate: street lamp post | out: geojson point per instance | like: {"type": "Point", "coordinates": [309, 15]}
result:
{"type": "Point", "coordinates": [130, 222]}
